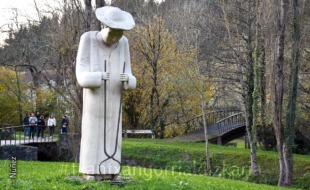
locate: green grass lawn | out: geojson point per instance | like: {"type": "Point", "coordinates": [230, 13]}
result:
{"type": "Point", "coordinates": [131, 143]}
{"type": "Point", "coordinates": [32, 175]}
{"type": "Point", "coordinates": [175, 165]}
{"type": "Point", "coordinates": [227, 162]}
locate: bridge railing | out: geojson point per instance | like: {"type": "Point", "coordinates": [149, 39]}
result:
{"type": "Point", "coordinates": [231, 122]}
{"type": "Point", "coordinates": [211, 117]}
{"type": "Point", "coordinates": [15, 135]}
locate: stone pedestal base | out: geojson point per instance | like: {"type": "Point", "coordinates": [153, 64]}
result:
{"type": "Point", "coordinates": [116, 181]}
{"type": "Point", "coordinates": [110, 177]}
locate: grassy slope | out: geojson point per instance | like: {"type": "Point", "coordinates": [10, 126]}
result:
{"type": "Point", "coordinates": [227, 162]}
{"type": "Point", "coordinates": [53, 175]}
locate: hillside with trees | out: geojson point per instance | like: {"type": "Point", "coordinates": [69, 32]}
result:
{"type": "Point", "coordinates": [189, 57]}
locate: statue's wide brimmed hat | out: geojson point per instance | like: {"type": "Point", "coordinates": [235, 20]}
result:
{"type": "Point", "coordinates": [115, 18]}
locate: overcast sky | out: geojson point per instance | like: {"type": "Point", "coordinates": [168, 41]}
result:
{"type": "Point", "coordinates": [8, 10]}
{"type": "Point", "coordinates": [25, 9]}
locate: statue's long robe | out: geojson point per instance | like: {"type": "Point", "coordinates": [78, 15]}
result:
{"type": "Point", "coordinates": [100, 151]}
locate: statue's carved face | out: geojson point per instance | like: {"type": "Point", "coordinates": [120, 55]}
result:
{"type": "Point", "coordinates": [111, 36]}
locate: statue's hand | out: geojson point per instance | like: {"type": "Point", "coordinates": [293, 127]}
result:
{"type": "Point", "coordinates": [105, 76]}
{"type": "Point", "coordinates": [124, 77]}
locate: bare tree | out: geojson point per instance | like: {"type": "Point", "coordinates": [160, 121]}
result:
{"type": "Point", "coordinates": [277, 88]}
{"type": "Point", "coordinates": [241, 36]}
{"type": "Point", "coordinates": [289, 128]}
{"type": "Point", "coordinates": [99, 3]}
{"type": "Point", "coordinates": [88, 14]}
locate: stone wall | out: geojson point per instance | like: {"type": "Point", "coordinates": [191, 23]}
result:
{"type": "Point", "coordinates": [68, 147]}
{"type": "Point", "coordinates": [47, 151]}
{"type": "Point", "coordinates": [20, 152]}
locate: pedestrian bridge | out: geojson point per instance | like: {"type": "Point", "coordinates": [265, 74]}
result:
{"type": "Point", "coordinates": [15, 135]}
{"type": "Point", "coordinates": [222, 127]}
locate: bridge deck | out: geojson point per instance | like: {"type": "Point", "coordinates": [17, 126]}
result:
{"type": "Point", "coordinates": [213, 131]}
{"type": "Point", "coordinates": [28, 141]}
{"type": "Point", "coordinates": [218, 131]}
{"type": "Point", "coordinates": [17, 135]}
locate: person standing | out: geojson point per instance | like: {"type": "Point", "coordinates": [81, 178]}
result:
{"type": "Point", "coordinates": [51, 122]}
{"type": "Point", "coordinates": [41, 127]}
{"type": "Point", "coordinates": [64, 125]}
{"type": "Point", "coordinates": [32, 123]}
{"type": "Point", "coordinates": [26, 125]}
{"type": "Point", "coordinates": [36, 129]}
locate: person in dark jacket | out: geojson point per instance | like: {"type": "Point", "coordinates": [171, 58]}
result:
{"type": "Point", "coordinates": [41, 127]}
{"type": "Point", "coordinates": [64, 125]}
{"type": "Point", "coordinates": [26, 125]}
{"type": "Point", "coordinates": [36, 129]}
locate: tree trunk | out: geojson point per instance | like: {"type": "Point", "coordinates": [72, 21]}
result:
{"type": "Point", "coordinates": [88, 12]}
{"type": "Point", "coordinates": [153, 96]}
{"type": "Point", "coordinates": [255, 97]}
{"type": "Point", "coordinates": [99, 3]}
{"type": "Point", "coordinates": [289, 128]}
{"type": "Point", "coordinates": [205, 127]}
{"type": "Point", "coordinates": [19, 99]}
{"type": "Point", "coordinates": [277, 89]}
{"type": "Point", "coordinates": [252, 106]}
{"type": "Point", "coordinates": [36, 87]}
{"type": "Point", "coordinates": [152, 117]}
{"type": "Point", "coordinates": [262, 95]}
{"type": "Point", "coordinates": [247, 82]}
{"type": "Point", "coordinates": [159, 116]}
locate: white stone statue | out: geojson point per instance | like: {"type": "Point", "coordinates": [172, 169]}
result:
{"type": "Point", "coordinates": [103, 69]}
